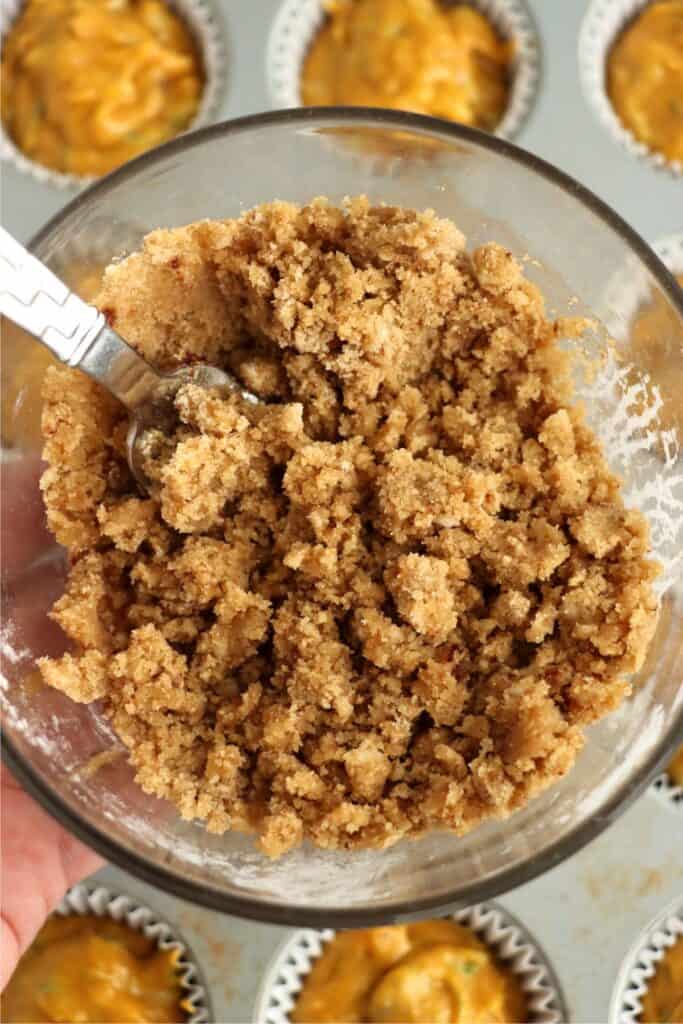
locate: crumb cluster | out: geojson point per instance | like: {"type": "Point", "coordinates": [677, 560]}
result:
{"type": "Point", "coordinates": [387, 599]}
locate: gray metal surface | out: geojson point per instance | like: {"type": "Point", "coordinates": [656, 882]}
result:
{"type": "Point", "coordinates": [586, 912]}
{"type": "Point", "coordinates": [561, 128]}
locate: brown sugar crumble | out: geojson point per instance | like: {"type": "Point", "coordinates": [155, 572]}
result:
{"type": "Point", "coordinates": [384, 601]}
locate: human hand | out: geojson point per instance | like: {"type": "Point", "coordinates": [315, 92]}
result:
{"type": "Point", "coordinates": [40, 860]}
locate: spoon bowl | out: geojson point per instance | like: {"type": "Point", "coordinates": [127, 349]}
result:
{"type": "Point", "coordinates": [79, 336]}
{"type": "Point", "coordinates": [159, 413]}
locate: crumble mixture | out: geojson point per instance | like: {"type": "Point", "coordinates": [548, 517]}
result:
{"type": "Point", "coordinates": [387, 599]}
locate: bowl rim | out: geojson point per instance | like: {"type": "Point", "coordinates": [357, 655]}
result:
{"type": "Point", "coordinates": [265, 911]}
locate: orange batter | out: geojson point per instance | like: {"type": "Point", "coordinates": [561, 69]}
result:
{"type": "Point", "coordinates": [675, 768]}
{"type": "Point", "coordinates": [645, 77]}
{"type": "Point", "coordinates": [410, 55]}
{"type": "Point", "coordinates": [95, 971]}
{"type": "Point", "coordinates": [89, 84]}
{"type": "Point", "coordinates": [663, 1000]}
{"type": "Point", "coordinates": [434, 972]}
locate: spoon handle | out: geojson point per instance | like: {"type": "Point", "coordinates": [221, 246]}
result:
{"type": "Point", "coordinates": [75, 332]}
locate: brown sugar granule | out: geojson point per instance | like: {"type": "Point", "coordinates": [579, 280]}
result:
{"type": "Point", "coordinates": [387, 599]}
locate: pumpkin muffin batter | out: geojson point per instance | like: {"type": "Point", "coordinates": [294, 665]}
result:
{"type": "Point", "coordinates": [83, 114]}
{"type": "Point", "coordinates": [384, 601]}
{"type": "Point", "coordinates": [410, 55]}
{"type": "Point", "coordinates": [645, 77]}
{"type": "Point", "coordinates": [433, 972]}
{"type": "Point", "coordinates": [663, 1000]}
{"type": "Point", "coordinates": [675, 768]}
{"type": "Point", "coordinates": [93, 969]}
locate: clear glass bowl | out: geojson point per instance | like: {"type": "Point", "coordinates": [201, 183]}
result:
{"type": "Point", "coordinates": [584, 258]}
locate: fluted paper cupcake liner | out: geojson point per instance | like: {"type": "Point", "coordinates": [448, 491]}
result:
{"type": "Point", "coordinates": [641, 963]}
{"type": "Point", "coordinates": [512, 945]}
{"type": "Point", "coordinates": [83, 900]}
{"type": "Point", "coordinates": [200, 18]}
{"type": "Point", "coordinates": [603, 23]}
{"type": "Point", "coordinates": [298, 21]}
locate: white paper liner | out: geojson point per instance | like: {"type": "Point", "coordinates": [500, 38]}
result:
{"type": "Point", "coordinates": [511, 943]}
{"type": "Point", "coordinates": [641, 963]}
{"type": "Point", "coordinates": [603, 22]}
{"type": "Point", "coordinates": [101, 902]}
{"type": "Point", "coordinates": [200, 18]}
{"type": "Point", "coordinates": [298, 21]}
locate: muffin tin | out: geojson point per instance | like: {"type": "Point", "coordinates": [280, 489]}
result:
{"type": "Point", "coordinates": [561, 125]}
{"type": "Point", "coordinates": [588, 912]}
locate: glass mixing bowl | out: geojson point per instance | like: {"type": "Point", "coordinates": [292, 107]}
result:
{"type": "Point", "coordinates": [585, 259]}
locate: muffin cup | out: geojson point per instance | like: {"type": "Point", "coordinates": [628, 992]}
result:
{"type": "Point", "coordinates": [101, 902]}
{"type": "Point", "coordinates": [500, 931]}
{"type": "Point", "coordinates": [200, 18]}
{"type": "Point", "coordinates": [603, 23]}
{"type": "Point", "coordinates": [298, 21]}
{"type": "Point", "coordinates": [641, 963]}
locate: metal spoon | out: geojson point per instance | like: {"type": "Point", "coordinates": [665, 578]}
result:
{"type": "Point", "coordinates": [79, 336]}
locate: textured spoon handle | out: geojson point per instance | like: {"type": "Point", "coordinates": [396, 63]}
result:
{"type": "Point", "coordinates": [76, 333]}
{"type": "Point", "coordinates": [36, 300]}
